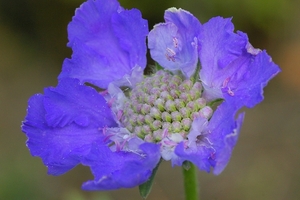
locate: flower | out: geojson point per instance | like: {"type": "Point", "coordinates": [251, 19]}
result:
{"type": "Point", "coordinates": [105, 114]}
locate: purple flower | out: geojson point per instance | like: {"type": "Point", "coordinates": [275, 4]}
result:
{"type": "Point", "coordinates": [123, 129]}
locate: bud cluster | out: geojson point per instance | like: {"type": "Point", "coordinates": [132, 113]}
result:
{"type": "Point", "coordinates": [163, 104]}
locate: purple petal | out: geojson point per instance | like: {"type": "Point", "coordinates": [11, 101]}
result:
{"type": "Point", "coordinates": [107, 42]}
{"type": "Point", "coordinates": [62, 124]}
{"type": "Point", "coordinates": [247, 85]}
{"type": "Point", "coordinates": [199, 156]}
{"type": "Point", "coordinates": [174, 44]}
{"type": "Point", "coordinates": [224, 131]}
{"type": "Point", "coordinates": [71, 102]}
{"type": "Point", "coordinates": [195, 153]}
{"type": "Point", "coordinates": [231, 67]}
{"type": "Point", "coordinates": [223, 154]}
{"type": "Point", "coordinates": [219, 47]}
{"type": "Point", "coordinates": [199, 126]}
{"type": "Point", "coordinates": [114, 170]}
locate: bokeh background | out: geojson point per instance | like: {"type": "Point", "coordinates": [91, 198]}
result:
{"type": "Point", "coordinates": [266, 161]}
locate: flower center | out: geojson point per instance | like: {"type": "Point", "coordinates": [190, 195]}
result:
{"type": "Point", "coordinates": [163, 104]}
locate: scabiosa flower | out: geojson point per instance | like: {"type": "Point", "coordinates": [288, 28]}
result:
{"type": "Point", "coordinates": [105, 114]}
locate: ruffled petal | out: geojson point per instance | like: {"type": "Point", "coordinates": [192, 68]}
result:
{"type": "Point", "coordinates": [231, 67]}
{"type": "Point", "coordinates": [246, 86]}
{"type": "Point", "coordinates": [114, 170]}
{"type": "Point", "coordinates": [62, 124]}
{"type": "Point", "coordinates": [107, 42]}
{"type": "Point", "coordinates": [71, 102]}
{"type": "Point", "coordinates": [219, 47]}
{"type": "Point", "coordinates": [174, 44]}
{"type": "Point", "coordinates": [224, 131]}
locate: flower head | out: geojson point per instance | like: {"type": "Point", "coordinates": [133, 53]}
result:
{"type": "Point", "coordinates": [185, 112]}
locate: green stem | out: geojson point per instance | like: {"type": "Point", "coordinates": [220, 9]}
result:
{"type": "Point", "coordinates": [190, 181]}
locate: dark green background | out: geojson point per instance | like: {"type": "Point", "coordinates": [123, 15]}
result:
{"type": "Point", "coordinates": [265, 163]}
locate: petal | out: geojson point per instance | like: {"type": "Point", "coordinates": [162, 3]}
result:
{"type": "Point", "coordinates": [107, 42]}
{"type": "Point", "coordinates": [231, 66]}
{"type": "Point", "coordinates": [198, 127]}
{"type": "Point", "coordinates": [62, 124]}
{"type": "Point", "coordinates": [195, 153]}
{"type": "Point", "coordinates": [199, 157]}
{"type": "Point", "coordinates": [174, 44]}
{"type": "Point", "coordinates": [114, 170]}
{"type": "Point", "coordinates": [132, 80]}
{"type": "Point", "coordinates": [71, 102]}
{"type": "Point", "coordinates": [219, 47]}
{"type": "Point", "coordinates": [247, 85]}
{"type": "Point", "coordinates": [224, 131]}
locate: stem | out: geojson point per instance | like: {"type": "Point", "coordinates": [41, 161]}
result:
{"type": "Point", "coordinates": [190, 181]}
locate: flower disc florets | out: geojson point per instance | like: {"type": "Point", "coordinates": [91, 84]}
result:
{"type": "Point", "coordinates": [163, 104]}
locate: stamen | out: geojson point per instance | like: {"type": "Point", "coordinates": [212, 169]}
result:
{"type": "Point", "coordinates": [175, 42]}
{"type": "Point", "coordinates": [111, 101]}
{"type": "Point", "coordinates": [107, 137]}
{"type": "Point", "coordinates": [165, 132]}
{"type": "Point", "coordinates": [169, 143]}
{"type": "Point", "coordinates": [119, 114]}
{"type": "Point", "coordinates": [123, 143]}
{"type": "Point", "coordinates": [128, 80]}
{"type": "Point", "coordinates": [104, 129]}
{"type": "Point", "coordinates": [225, 82]}
{"type": "Point", "coordinates": [104, 92]}
{"type": "Point", "coordinates": [170, 54]}
{"type": "Point", "coordinates": [230, 92]}
{"type": "Point", "coordinates": [117, 144]}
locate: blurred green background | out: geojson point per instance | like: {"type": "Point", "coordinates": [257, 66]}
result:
{"type": "Point", "coordinates": [265, 163]}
